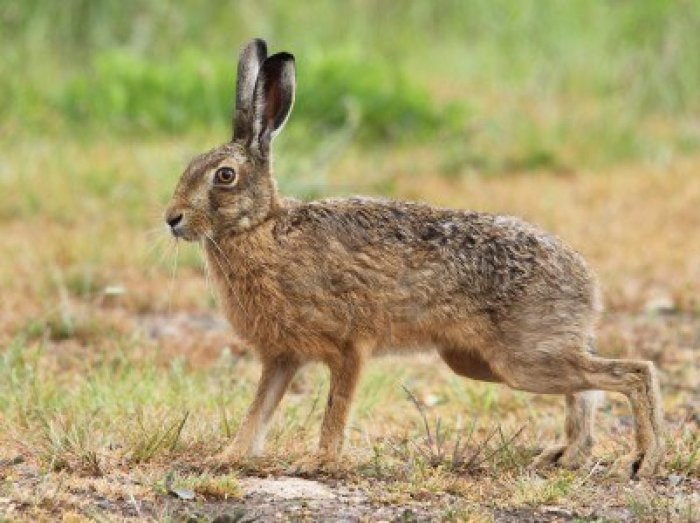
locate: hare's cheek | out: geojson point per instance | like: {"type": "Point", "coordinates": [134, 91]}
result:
{"type": "Point", "coordinates": [233, 207]}
{"type": "Point", "coordinates": [245, 205]}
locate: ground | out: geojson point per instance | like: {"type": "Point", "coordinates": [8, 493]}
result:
{"type": "Point", "coordinates": [118, 378]}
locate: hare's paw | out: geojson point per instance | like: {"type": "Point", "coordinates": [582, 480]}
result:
{"type": "Point", "coordinates": [306, 466]}
{"type": "Point", "coordinates": [650, 462]}
{"type": "Point", "coordinates": [638, 465]}
{"type": "Point", "coordinates": [314, 464]}
{"type": "Point", "coordinates": [231, 457]}
{"type": "Point", "coordinates": [575, 456]}
{"type": "Point", "coordinates": [625, 467]}
{"type": "Point", "coordinates": [571, 456]}
{"type": "Point", "coordinates": [548, 457]}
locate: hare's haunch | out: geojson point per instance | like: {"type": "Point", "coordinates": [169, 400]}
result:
{"type": "Point", "coordinates": [339, 280]}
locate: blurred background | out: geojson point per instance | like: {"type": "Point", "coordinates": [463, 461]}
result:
{"type": "Point", "coordinates": [581, 116]}
{"type": "Point", "coordinates": [501, 86]}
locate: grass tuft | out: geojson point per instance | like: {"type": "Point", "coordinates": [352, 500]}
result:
{"type": "Point", "coordinates": [153, 436]}
{"type": "Point", "coordinates": [71, 442]}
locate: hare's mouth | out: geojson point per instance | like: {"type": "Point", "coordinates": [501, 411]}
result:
{"type": "Point", "coordinates": [182, 232]}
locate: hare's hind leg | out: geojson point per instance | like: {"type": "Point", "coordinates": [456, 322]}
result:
{"type": "Point", "coordinates": [250, 438]}
{"type": "Point", "coordinates": [579, 413]}
{"type": "Point", "coordinates": [573, 453]}
{"type": "Point", "coordinates": [638, 381]}
{"type": "Point", "coordinates": [556, 372]}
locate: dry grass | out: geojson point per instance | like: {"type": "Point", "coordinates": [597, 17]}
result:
{"type": "Point", "coordinates": [116, 375]}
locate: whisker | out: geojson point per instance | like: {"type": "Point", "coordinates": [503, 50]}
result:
{"type": "Point", "coordinates": [157, 247]}
{"type": "Point", "coordinates": [225, 275]}
{"type": "Point", "coordinates": [228, 282]}
{"type": "Point", "coordinates": [207, 276]}
{"type": "Point", "coordinates": [155, 230]}
{"type": "Point", "coordinates": [211, 239]}
{"type": "Point", "coordinates": [172, 278]}
{"type": "Point", "coordinates": [158, 237]}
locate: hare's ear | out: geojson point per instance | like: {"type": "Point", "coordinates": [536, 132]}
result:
{"type": "Point", "coordinates": [249, 62]}
{"type": "Point", "coordinates": [273, 100]}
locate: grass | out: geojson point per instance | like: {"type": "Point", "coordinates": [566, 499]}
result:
{"type": "Point", "coordinates": [128, 94]}
{"type": "Point", "coordinates": [501, 86]}
{"type": "Point", "coordinates": [117, 376]}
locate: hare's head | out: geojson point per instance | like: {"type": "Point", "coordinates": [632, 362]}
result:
{"type": "Point", "coordinates": [230, 189]}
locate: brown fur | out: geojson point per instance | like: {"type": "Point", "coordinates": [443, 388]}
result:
{"type": "Point", "coordinates": [340, 280]}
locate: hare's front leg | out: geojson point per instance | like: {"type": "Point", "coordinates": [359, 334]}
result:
{"type": "Point", "coordinates": [345, 373]}
{"type": "Point", "coordinates": [275, 378]}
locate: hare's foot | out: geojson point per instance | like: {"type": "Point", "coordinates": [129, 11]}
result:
{"type": "Point", "coordinates": [231, 456]}
{"type": "Point", "coordinates": [570, 456]}
{"type": "Point", "coordinates": [650, 462]}
{"type": "Point", "coordinates": [626, 466]}
{"type": "Point", "coordinates": [639, 465]}
{"type": "Point", "coordinates": [306, 466]}
{"type": "Point", "coordinates": [576, 455]}
{"type": "Point", "coordinates": [315, 463]}
{"type": "Point", "coordinates": [549, 456]}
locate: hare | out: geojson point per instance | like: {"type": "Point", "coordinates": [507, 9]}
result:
{"type": "Point", "coordinates": [340, 280]}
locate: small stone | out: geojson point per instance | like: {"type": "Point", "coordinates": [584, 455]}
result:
{"type": "Point", "coordinates": [114, 290]}
{"type": "Point", "coordinates": [182, 493]}
{"type": "Point", "coordinates": [430, 400]}
{"type": "Point", "coordinates": [660, 304]}
{"type": "Point", "coordinates": [557, 510]}
{"type": "Point", "coordinates": [674, 480]}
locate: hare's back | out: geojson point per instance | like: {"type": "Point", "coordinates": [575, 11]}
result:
{"type": "Point", "coordinates": [488, 259]}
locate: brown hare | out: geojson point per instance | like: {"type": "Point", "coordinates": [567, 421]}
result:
{"type": "Point", "coordinates": [340, 280]}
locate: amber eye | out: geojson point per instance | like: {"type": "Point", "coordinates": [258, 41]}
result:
{"type": "Point", "coordinates": [224, 176]}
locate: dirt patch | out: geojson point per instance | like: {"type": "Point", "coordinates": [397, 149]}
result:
{"type": "Point", "coordinates": [287, 488]}
{"type": "Point", "coordinates": [295, 499]}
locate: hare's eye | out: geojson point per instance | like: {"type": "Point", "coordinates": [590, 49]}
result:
{"type": "Point", "coordinates": [224, 176]}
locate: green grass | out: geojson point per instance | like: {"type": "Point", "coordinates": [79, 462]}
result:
{"type": "Point", "coordinates": [501, 86]}
{"type": "Point", "coordinates": [130, 94]}
{"type": "Point", "coordinates": [126, 403]}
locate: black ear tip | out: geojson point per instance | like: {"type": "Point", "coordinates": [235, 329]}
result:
{"type": "Point", "coordinates": [259, 43]}
{"type": "Point", "coordinates": [256, 45]}
{"type": "Point", "coordinates": [279, 60]}
{"type": "Point", "coordinates": [285, 57]}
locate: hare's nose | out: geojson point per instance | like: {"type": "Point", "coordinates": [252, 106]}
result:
{"type": "Point", "coordinates": [174, 219]}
